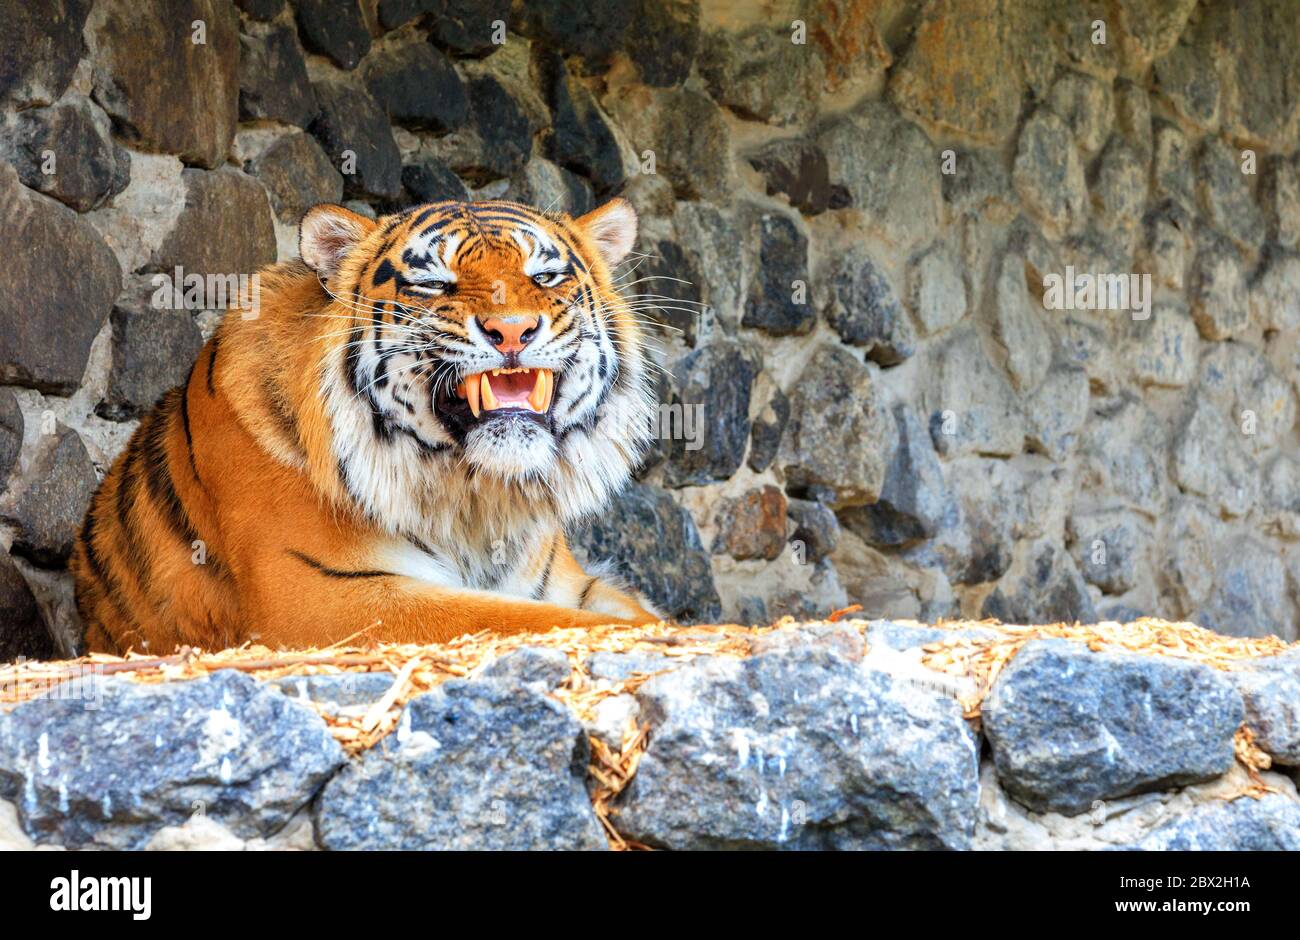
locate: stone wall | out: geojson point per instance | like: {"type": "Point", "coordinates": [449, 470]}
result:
{"type": "Point", "coordinates": [851, 212]}
{"type": "Point", "coordinates": [851, 735]}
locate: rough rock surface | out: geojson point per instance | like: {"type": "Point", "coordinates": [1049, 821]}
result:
{"type": "Point", "coordinates": [816, 735]}
{"type": "Point", "coordinates": [273, 82]}
{"type": "Point", "coordinates": [24, 631]}
{"type": "Point", "coordinates": [1269, 824]}
{"type": "Point", "coordinates": [643, 523]}
{"type": "Point", "coordinates": [1271, 693]}
{"type": "Point", "coordinates": [153, 350]}
{"type": "Point", "coordinates": [1068, 727]}
{"type": "Point", "coordinates": [40, 49]}
{"type": "Point", "coordinates": [839, 435]}
{"type": "Point", "coordinates": [225, 227]}
{"type": "Point", "coordinates": [114, 761]}
{"type": "Point", "coordinates": [799, 749]}
{"type": "Point", "coordinates": [714, 386]}
{"type": "Point", "coordinates": [67, 151]}
{"type": "Point", "coordinates": [48, 322]}
{"type": "Point", "coordinates": [353, 128]}
{"type": "Point", "coordinates": [46, 504]}
{"type": "Point", "coordinates": [168, 91]}
{"type": "Point", "coordinates": [480, 764]}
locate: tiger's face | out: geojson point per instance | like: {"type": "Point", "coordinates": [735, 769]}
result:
{"type": "Point", "coordinates": [485, 339]}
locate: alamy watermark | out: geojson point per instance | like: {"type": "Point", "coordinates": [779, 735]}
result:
{"type": "Point", "coordinates": [80, 683]}
{"type": "Point", "coordinates": [181, 291]}
{"type": "Point", "coordinates": [1088, 291]}
{"type": "Point", "coordinates": [673, 421]}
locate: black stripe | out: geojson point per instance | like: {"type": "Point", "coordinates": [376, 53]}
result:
{"type": "Point", "coordinates": [540, 591]}
{"type": "Point", "coordinates": [138, 561]}
{"type": "Point", "coordinates": [335, 572]}
{"type": "Point", "coordinates": [431, 210]}
{"type": "Point", "coordinates": [158, 472]}
{"type": "Point", "coordinates": [189, 436]}
{"type": "Point", "coordinates": [352, 361]}
{"type": "Point", "coordinates": [105, 578]}
{"type": "Point", "coordinates": [158, 477]}
{"type": "Point", "coordinates": [427, 448]}
{"type": "Point", "coordinates": [582, 599]}
{"type": "Point", "coordinates": [87, 536]}
{"type": "Point", "coordinates": [384, 273]}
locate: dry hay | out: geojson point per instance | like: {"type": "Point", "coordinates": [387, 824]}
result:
{"type": "Point", "coordinates": [419, 668]}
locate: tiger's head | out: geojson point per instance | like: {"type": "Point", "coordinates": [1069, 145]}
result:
{"type": "Point", "coordinates": [479, 351]}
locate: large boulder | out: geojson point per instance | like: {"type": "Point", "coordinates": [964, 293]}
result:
{"type": "Point", "coordinates": [417, 86]}
{"type": "Point", "coordinates": [1250, 596]}
{"type": "Point", "coordinates": [297, 175]}
{"type": "Point", "coordinates": [650, 540]}
{"type": "Point", "coordinates": [840, 434]}
{"type": "Point", "coordinates": [779, 301]}
{"type": "Point", "coordinates": [889, 169]}
{"type": "Point", "coordinates": [865, 309]}
{"type": "Point", "coordinates": [666, 40]}
{"type": "Point", "coordinates": [335, 28]}
{"type": "Point", "coordinates": [800, 747]}
{"type": "Point", "coordinates": [714, 384]}
{"type": "Point", "coordinates": [914, 498]}
{"type": "Point", "coordinates": [593, 29]}
{"type": "Point", "coordinates": [685, 134]}
{"type": "Point", "coordinates": [1211, 458]}
{"type": "Point", "coordinates": [167, 72]}
{"type": "Point", "coordinates": [48, 323]}
{"type": "Point", "coordinates": [760, 74]}
{"type": "Point", "coordinates": [110, 761]}
{"type": "Point", "coordinates": [40, 48]}
{"type": "Point", "coordinates": [955, 76]}
{"type": "Point", "coordinates": [1049, 589]}
{"type": "Point", "coordinates": [1068, 726]}
{"type": "Point", "coordinates": [153, 351]}
{"type": "Point", "coordinates": [1048, 173]}
{"type": "Point", "coordinates": [225, 228]}
{"type": "Point", "coordinates": [483, 764]}
{"type": "Point", "coordinates": [353, 130]}
{"type": "Point", "coordinates": [968, 402]}
{"type": "Point", "coordinates": [47, 502]}
{"type": "Point", "coordinates": [67, 151]}
{"type": "Point", "coordinates": [273, 82]}
{"type": "Point", "coordinates": [580, 137]}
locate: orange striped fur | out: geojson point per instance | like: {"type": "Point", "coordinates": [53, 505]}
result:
{"type": "Point", "coordinates": [322, 471]}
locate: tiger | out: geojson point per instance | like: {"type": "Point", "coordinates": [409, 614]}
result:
{"type": "Point", "coordinates": [391, 442]}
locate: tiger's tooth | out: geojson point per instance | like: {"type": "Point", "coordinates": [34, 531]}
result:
{"type": "Point", "coordinates": [537, 398]}
{"type": "Point", "coordinates": [485, 393]}
{"type": "Point", "coordinates": [545, 381]}
{"type": "Point", "coordinates": [471, 394]}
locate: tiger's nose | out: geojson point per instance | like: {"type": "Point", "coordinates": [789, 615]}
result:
{"type": "Point", "coordinates": [510, 334]}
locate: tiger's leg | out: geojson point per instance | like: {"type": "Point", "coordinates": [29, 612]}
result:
{"type": "Point", "coordinates": [316, 606]}
{"type": "Point", "coordinates": [570, 586]}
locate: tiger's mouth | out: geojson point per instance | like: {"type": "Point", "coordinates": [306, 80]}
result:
{"type": "Point", "coordinates": [529, 390]}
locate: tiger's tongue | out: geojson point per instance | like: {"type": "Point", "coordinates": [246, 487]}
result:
{"type": "Point", "coordinates": [513, 388]}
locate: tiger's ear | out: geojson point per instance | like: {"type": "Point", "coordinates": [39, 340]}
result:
{"type": "Point", "coordinates": [611, 228]}
{"type": "Point", "coordinates": [327, 233]}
